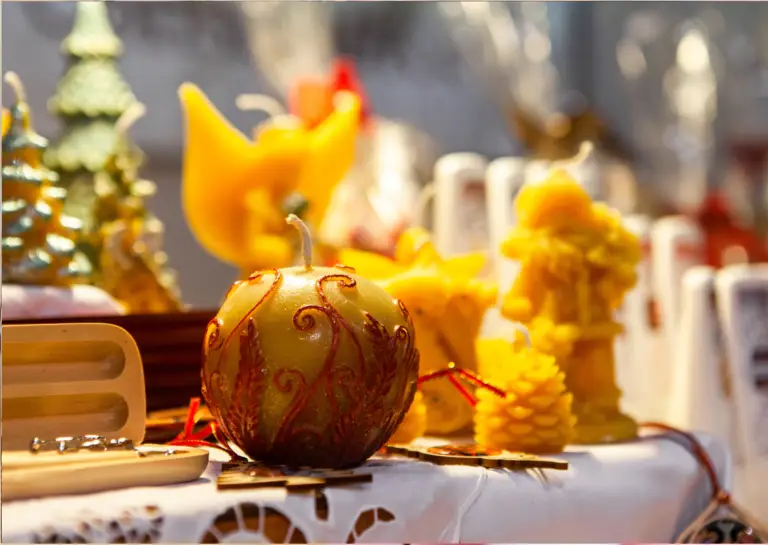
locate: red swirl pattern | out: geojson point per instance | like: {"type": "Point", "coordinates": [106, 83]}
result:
{"type": "Point", "coordinates": [337, 419]}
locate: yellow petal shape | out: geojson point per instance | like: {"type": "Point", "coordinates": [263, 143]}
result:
{"type": "Point", "coordinates": [331, 154]}
{"type": "Point", "coordinates": [465, 266]}
{"type": "Point", "coordinates": [369, 264]}
{"type": "Point", "coordinates": [416, 244]}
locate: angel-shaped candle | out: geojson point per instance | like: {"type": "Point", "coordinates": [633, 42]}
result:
{"type": "Point", "coordinates": [577, 263]}
{"type": "Point", "coordinates": [236, 191]}
{"type": "Point", "coordinates": [447, 302]}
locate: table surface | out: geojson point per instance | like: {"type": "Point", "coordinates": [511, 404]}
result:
{"type": "Point", "coordinates": [644, 491]}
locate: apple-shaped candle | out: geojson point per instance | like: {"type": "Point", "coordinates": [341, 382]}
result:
{"type": "Point", "coordinates": [309, 366]}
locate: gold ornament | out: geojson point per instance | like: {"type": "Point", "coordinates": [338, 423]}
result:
{"type": "Point", "coordinates": [38, 242]}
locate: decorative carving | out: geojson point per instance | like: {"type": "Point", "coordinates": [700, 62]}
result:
{"type": "Point", "coordinates": [235, 476]}
{"type": "Point", "coordinates": [475, 455]}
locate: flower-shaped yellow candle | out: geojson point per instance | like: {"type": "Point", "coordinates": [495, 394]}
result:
{"type": "Point", "coordinates": [535, 415]}
{"type": "Point", "coordinates": [309, 366]}
{"type": "Point", "coordinates": [447, 303]}
{"type": "Point", "coordinates": [236, 192]}
{"type": "Point", "coordinates": [414, 424]}
{"type": "Point", "coordinates": [577, 263]}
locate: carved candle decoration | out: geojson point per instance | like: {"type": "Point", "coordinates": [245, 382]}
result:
{"type": "Point", "coordinates": [577, 263]}
{"type": "Point", "coordinates": [447, 302]}
{"type": "Point", "coordinates": [309, 366]}
{"type": "Point", "coordinates": [236, 191]}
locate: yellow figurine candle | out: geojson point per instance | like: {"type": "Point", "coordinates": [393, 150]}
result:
{"type": "Point", "coordinates": [535, 415]}
{"type": "Point", "coordinates": [236, 191]}
{"type": "Point", "coordinates": [577, 263]}
{"type": "Point", "coordinates": [309, 366]}
{"type": "Point", "coordinates": [447, 302]}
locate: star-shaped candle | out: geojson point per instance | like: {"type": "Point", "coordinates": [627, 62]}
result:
{"type": "Point", "coordinates": [447, 301]}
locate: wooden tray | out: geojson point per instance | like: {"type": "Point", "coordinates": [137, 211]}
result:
{"type": "Point", "coordinates": [78, 389]}
{"type": "Point", "coordinates": [70, 379]}
{"type": "Point", "coordinates": [171, 350]}
{"type": "Point", "coordinates": [93, 475]}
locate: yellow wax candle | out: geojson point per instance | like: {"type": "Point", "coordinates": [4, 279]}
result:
{"type": "Point", "coordinates": [577, 263]}
{"type": "Point", "coordinates": [535, 415]}
{"type": "Point", "coordinates": [414, 425]}
{"type": "Point", "coordinates": [447, 303]}
{"type": "Point", "coordinates": [235, 191]}
{"type": "Point", "coordinates": [309, 366]}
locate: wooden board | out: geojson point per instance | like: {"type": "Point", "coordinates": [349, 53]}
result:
{"type": "Point", "coordinates": [70, 379]}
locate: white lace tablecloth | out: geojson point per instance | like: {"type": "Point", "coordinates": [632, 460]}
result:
{"type": "Point", "coordinates": [642, 492]}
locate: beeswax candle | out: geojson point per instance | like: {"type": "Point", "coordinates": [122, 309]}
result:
{"type": "Point", "coordinates": [236, 191]}
{"type": "Point", "coordinates": [577, 263]}
{"type": "Point", "coordinates": [447, 303]}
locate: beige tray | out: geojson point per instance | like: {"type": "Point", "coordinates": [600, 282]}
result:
{"type": "Point", "coordinates": [73, 380]}
{"type": "Point", "coordinates": [70, 379]}
{"type": "Point", "coordinates": [86, 476]}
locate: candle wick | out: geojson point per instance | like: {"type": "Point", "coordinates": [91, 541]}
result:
{"type": "Point", "coordinates": [525, 332]}
{"type": "Point", "coordinates": [306, 239]}
{"type": "Point", "coordinates": [14, 82]}
{"type": "Point", "coordinates": [585, 150]}
{"type": "Point", "coordinates": [426, 195]}
{"type": "Point", "coordinates": [260, 103]}
{"type": "Point", "coordinates": [129, 117]}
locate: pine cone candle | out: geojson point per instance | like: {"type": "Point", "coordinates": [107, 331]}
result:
{"type": "Point", "coordinates": [535, 416]}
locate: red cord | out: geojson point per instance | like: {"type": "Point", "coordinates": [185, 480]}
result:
{"type": "Point", "coordinates": [462, 390]}
{"type": "Point", "coordinates": [701, 455]}
{"type": "Point", "coordinates": [468, 376]}
{"type": "Point", "coordinates": [187, 437]}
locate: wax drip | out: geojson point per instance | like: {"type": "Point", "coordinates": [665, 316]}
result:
{"type": "Point", "coordinates": [306, 239]}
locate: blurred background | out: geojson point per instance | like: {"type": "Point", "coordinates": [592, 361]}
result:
{"type": "Point", "coordinates": [679, 90]}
